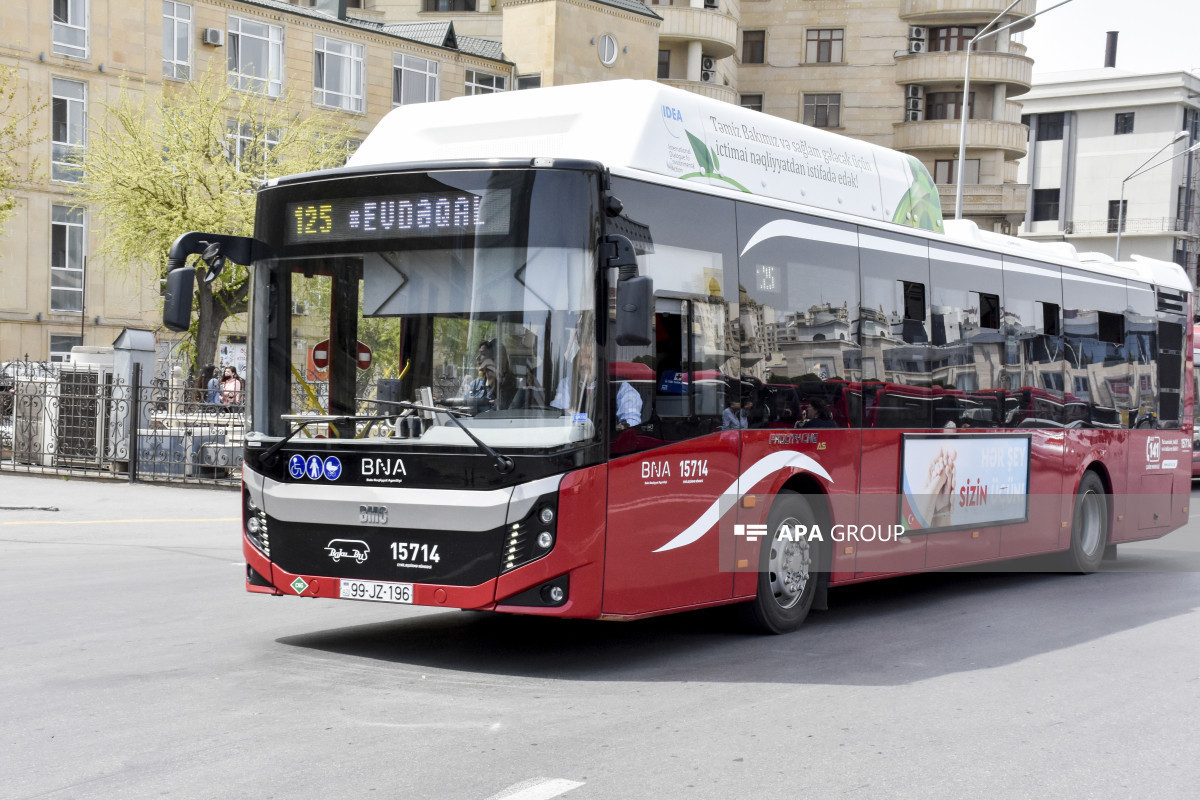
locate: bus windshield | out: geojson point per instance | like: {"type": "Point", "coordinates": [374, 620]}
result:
{"type": "Point", "coordinates": [493, 323]}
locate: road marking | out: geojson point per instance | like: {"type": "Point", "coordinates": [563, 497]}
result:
{"type": "Point", "coordinates": [536, 789]}
{"type": "Point", "coordinates": [115, 521]}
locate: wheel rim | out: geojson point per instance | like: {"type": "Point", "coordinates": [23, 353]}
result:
{"type": "Point", "coordinates": [1091, 522]}
{"type": "Point", "coordinates": [788, 566]}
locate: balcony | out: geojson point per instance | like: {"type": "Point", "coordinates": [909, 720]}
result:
{"type": "Point", "coordinates": [716, 31]}
{"type": "Point", "coordinates": [1014, 71]}
{"type": "Point", "coordinates": [943, 135]}
{"type": "Point", "coordinates": [716, 91]}
{"type": "Point", "coordinates": [982, 199]}
{"type": "Point", "coordinates": [1135, 225]}
{"type": "Point", "coordinates": [963, 12]}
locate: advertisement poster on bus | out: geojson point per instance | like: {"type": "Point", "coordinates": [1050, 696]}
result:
{"type": "Point", "coordinates": [732, 147]}
{"type": "Point", "coordinates": [964, 481]}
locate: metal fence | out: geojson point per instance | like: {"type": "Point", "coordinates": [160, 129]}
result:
{"type": "Point", "coordinates": [85, 420]}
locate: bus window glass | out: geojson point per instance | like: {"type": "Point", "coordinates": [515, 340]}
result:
{"type": "Point", "coordinates": [1034, 352]}
{"type": "Point", "coordinates": [494, 321]}
{"type": "Point", "coordinates": [1097, 371]}
{"type": "Point", "coordinates": [1140, 329]}
{"type": "Point", "coordinates": [894, 332]}
{"type": "Point", "coordinates": [801, 362]}
{"type": "Point", "coordinates": [688, 377]}
{"type": "Point", "coordinates": [967, 347]}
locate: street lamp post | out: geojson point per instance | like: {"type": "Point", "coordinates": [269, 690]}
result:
{"type": "Point", "coordinates": [1143, 169]}
{"type": "Point", "coordinates": [966, 96]}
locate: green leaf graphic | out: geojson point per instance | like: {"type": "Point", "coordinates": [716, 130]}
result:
{"type": "Point", "coordinates": [701, 151]}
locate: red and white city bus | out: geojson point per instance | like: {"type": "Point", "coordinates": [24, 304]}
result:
{"type": "Point", "coordinates": [636, 351]}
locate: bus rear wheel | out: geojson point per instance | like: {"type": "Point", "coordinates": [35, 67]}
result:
{"type": "Point", "coordinates": [788, 567]}
{"type": "Point", "coordinates": [1089, 526]}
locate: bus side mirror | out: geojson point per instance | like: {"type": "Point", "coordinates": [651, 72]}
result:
{"type": "Point", "coordinates": [177, 303]}
{"type": "Point", "coordinates": [635, 312]}
{"type": "Point", "coordinates": [635, 294]}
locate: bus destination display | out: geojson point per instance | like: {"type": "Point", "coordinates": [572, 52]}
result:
{"type": "Point", "coordinates": [399, 216]}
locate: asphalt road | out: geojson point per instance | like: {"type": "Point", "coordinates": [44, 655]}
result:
{"type": "Point", "coordinates": [134, 665]}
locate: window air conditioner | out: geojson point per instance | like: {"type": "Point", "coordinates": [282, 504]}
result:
{"type": "Point", "coordinates": [916, 46]}
{"type": "Point", "coordinates": [214, 36]}
{"type": "Point", "coordinates": [916, 33]}
{"type": "Point", "coordinates": [913, 116]}
{"type": "Point", "coordinates": [708, 63]}
{"type": "Point", "coordinates": [914, 91]}
{"type": "Point", "coordinates": [708, 76]}
{"type": "Point", "coordinates": [915, 104]}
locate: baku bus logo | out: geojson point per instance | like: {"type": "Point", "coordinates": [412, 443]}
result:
{"type": "Point", "coordinates": [348, 548]}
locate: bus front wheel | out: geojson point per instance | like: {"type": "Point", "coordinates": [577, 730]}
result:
{"type": "Point", "coordinates": [788, 567]}
{"type": "Point", "coordinates": [1089, 526]}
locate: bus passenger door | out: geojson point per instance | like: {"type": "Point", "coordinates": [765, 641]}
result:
{"type": "Point", "coordinates": [670, 474]}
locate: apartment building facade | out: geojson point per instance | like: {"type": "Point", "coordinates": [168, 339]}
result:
{"type": "Point", "coordinates": [1108, 152]}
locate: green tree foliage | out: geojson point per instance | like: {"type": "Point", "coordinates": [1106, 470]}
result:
{"type": "Point", "coordinates": [191, 159]}
{"type": "Point", "coordinates": [18, 126]}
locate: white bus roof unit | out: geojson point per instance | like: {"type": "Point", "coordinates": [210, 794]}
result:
{"type": "Point", "coordinates": [646, 126]}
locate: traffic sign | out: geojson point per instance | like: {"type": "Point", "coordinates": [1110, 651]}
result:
{"type": "Point", "coordinates": [320, 355]}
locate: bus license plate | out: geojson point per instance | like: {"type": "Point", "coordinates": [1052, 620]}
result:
{"type": "Point", "coordinates": [377, 590]}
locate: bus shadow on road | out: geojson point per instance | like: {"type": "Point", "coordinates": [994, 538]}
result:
{"type": "Point", "coordinates": [889, 632]}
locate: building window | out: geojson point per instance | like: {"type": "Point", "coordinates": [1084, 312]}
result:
{"type": "Point", "coordinates": [1123, 123]}
{"type": "Point", "coordinates": [1045, 204]}
{"type": "Point", "coordinates": [70, 28]}
{"type": "Point", "coordinates": [824, 46]}
{"type": "Point", "coordinates": [338, 74]}
{"type": "Point", "coordinates": [448, 5]}
{"type": "Point", "coordinates": [414, 80]}
{"type": "Point", "coordinates": [484, 83]}
{"type": "Point", "coordinates": [946, 105]}
{"type": "Point", "coordinates": [68, 129]}
{"type": "Point", "coordinates": [754, 102]}
{"type": "Point", "coordinates": [255, 56]}
{"type": "Point", "coordinates": [1050, 127]}
{"type": "Point", "coordinates": [951, 40]}
{"type": "Point", "coordinates": [61, 344]}
{"type": "Point", "coordinates": [754, 47]}
{"type": "Point", "coordinates": [945, 172]}
{"type": "Point", "coordinates": [529, 81]}
{"type": "Point", "coordinates": [607, 49]}
{"type": "Point", "coordinates": [822, 110]}
{"type": "Point", "coordinates": [249, 146]}
{"type": "Point", "coordinates": [1118, 215]}
{"type": "Point", "coordinates": [664, 64]}
{"type": "Point", "coordinates": [66, 258]}
{"type": "Point", "coordinates": [177, 40]}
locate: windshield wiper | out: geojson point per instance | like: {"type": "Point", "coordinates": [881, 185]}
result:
{"type": "Point", "coordinates": [504, 464]}
{"type": "Point", "coordinates": [269, 457]}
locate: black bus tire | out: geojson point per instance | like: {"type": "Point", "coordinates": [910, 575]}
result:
{"type": "Point", "coordinates": [787, 570]}
{"type": "Point", "coordinates": [1089, 526]}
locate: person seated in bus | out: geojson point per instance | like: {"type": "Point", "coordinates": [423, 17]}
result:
{"type": "Point", "coordinates": [629, 402]}
{"type": "Point", "coordinates": [735, 416]}
{"type": "Point", "coordinates": [495, 387]}
{"type": "Point", "coordinates": [817, 414]}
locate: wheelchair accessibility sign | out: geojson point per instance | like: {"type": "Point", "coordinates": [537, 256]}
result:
{"type": "Point", "coordinates": [314, 467]}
